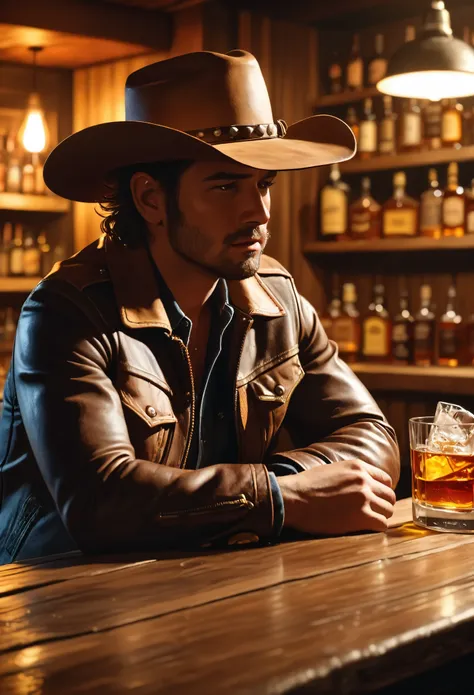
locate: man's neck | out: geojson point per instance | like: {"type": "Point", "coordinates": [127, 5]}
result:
{"type": "Point", "coordinates": [190, 285]}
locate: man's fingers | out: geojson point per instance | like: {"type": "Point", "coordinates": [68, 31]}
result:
{"type": "Point", "coordinates": [379, 474]}
{"type": "Point", "coordinates": [384, 492]}
{"type": "Point", "coordinates": [381, 506]}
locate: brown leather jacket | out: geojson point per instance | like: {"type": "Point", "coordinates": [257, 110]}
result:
{"type": "Point", "coordinates": [103, 401]}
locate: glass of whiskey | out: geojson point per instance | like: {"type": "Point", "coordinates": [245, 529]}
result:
{"type": "Point", "coordinates": [442, 467]}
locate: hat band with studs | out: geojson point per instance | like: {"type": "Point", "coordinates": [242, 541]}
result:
{"type": "Point", "coordinates": [235, 133]}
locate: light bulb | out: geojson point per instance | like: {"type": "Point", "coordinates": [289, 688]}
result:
{"type": "Point", "coordinates": [34, 131]}
{"type": "Point", "coordinates": [429, 84]}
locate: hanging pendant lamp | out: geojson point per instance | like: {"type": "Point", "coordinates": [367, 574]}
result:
{"type": "Point", "coordinates": [434, 66]}
{"type": "Point", "coordinates": [33, 133]}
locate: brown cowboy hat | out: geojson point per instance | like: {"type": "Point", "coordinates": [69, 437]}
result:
{"type": "Point", "coordinates": [197, 106]}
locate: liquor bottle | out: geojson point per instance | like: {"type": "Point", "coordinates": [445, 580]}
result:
{"type": "Point", "coordinates": [334, 207]}
{"type": "Point", "coordinates": [403, 333]}
{"type": "Point", "coordinates": [425, 330]}
{"type": "Point", "coordinates": [7, 234]}
{"type": "Point", "coordinates": [387, 130]}
{"type": "Point", "coordinates": [335, 75]}
{"type": "Point", "coordinates": [332, 312]}
{"type": "Point", "coordinates": [14, 166]}
{"type": "Point", "coordinates": [450, 330]}
{"type": "Point", "coordinates": [377, 329]}
{"type": "Point", "coordinates": [451, 123]}
{"type": "Point", "coordinates": [368, 132]}
{"type": "Point", "coordinates": [453, 204]}
{"type": "Point", "coordinates": [31, 255]}
{"type": "Point", "coordinates": [432, 125]}
{"type": "Point", "coordinates": [46, 262]}
{"type": "Point", "coordinates": [28, 175]}
{"type": "Point", "coordinates": [365, 215]}
{"type": "Point", "coordinates": [377, 66]}
{"type": "Point", "coordinates": [400, 213]}
{"type": "Point", "coordinates": [355, 66]}
{"type": "Point", "coordinates": [40, 186]}
{"type": "Point", "coordinates": [346, 327]}
{"type": "Point", "coordinates": [469, 227]}
{"type": "Point", "coordinates": [353, 122]}
{"type": "Point", "coordinates": [410, 138]}
{"type": "Point", "coordinates": [430, 208]}
{"type": "Point", "coordinates": [3, 162]}
{"type": "Point", "coordinates": [16, 252]}
{"type": "Point", "coordinates": [410, 33]}
{"type": "Point", "coordinates": [468, 126]}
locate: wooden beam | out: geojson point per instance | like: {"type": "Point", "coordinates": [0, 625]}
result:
{"type": "Point", "coordinates": [132, 25]}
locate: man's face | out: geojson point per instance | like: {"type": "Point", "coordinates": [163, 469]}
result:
{"type": "Point", "coordinates": [224, 212]}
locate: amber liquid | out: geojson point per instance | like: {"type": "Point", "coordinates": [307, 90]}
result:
{"type": "Point", "coordinates": [443, 480]}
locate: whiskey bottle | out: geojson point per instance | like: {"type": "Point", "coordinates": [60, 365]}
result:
{"type": "Point", "coordinates": [28, 175]}
{"type": "Point", "coordinates": [7, 235]}
{"type": "Point", "coordinates": [432, 125]}
{"type": "Point", "coordinates": [353, 122]}
{"type": "Point", "coordinates": [410, 33]}
{"type": "Point", "coordinates": [40, 186]}
{"type": "Point", "coordinates": [454, 207]}
{"type": "Point", "coordinates": [400, 213]}
{"type": "Point", "coordinates": [355, 66]}
{"type": "Point", "coordinates": [16, 252]}
{"type": "Point", "coordinates": [13, 182]}
{"type": "Point", "coordinates": [430, 208]}
{"type": "Point", "coordinates": [410, 127]}
{"type": "Point", "coordinates": [334, 207]}
{"type": "Point", "coordinates": [403, 333]}
{"type": "Point", "coordinates": [346, 327]}
{"type": "Point", "coordinates": [3, 162]}
{"type": "Point", "coordinates": [387, 129]}
{"type": "Point", "coordinates": [365, 215]}
{"type": "Point", "coordinates": [377, 329]}
{"type": "Point", "coordinates": [377, 66]}
{"type": "Point", "coordinates": [425, 330]}
{"type": "Point", "coordinates": [335, 75]}
{"type": "Point", "coordinates": [31, 255]}
{"type": "Point", "coordinates": [46, 262]}
{"type": "Point", "coordinates": [469, 227]}
{"type": "Point", "coordinates": [368, 132]}
{"type": "Point", "coordinates": [332, 312]}
{"type": "Point", "coordinates": [450, 330]}
{"type": "Point", "coordinates": [451, 123]}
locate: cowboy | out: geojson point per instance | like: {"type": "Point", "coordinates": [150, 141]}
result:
{"type": "Point", "coordinates": [154, 372]}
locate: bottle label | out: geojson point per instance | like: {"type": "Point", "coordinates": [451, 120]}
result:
{"type": "Point", "coordinates": [470, 222]}
{"type": "Point", "coordinates": [368, 136]}
{"type": "Point", "coordinates": [16, 261]}
{"type": "Point", "coordinates": [355, 74]}
{"type": "Point", "coordinates": [360, 223]}
{"type": "Point", "coordinates": [377, 70]}
{"type": "Point", "coordinates": [430, 212]}
{"type": "Point", "coordinates": [375, 337]}
{"type": "Point", "coordinates": [333, 212]}
{"type": "Point", "coordinates": [335, 71]}
{"type": "Point", "coordinates": [400, 333]}
{"type": "Point", "coordinates": [387, 136]}
{"type": "Point", "coordinates": [451, 129]}
{"type": "Point", "coordinates": [14, 179]}
{"type": "Point", "coordinates": [453, 211]}
{"type": "Point", "coordinates": [433, 121]}
{"type": "Point", "coordinates": [448, 343]}
{"type": "Point", "coordinates": [399, 222]}
{"type": "Point", "coordinates": [31, 262]}
{"type": "Point", "coordinates": [344, 333]}
{"type": "Point", "coordinates": [424, 336]}
{"type": "Point", "coordinates": [411, 131]}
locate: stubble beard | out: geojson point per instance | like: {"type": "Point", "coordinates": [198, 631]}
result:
{"type": "Point", "coordinates": [191, 244]}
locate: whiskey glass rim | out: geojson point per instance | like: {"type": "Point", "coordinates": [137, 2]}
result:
{"type": "Point", "coordinates": [429, 420]}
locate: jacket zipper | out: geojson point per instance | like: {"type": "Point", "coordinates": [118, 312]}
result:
{"type": "Point", "coordinates": [249, 322]}
{"type": "Point", "coordinates": [185, 352]}
{"type": "Point", "coordinates": [239, 502]}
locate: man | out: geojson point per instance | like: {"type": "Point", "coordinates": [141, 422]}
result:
{"type": "Point", "coordinates": [154, 371]}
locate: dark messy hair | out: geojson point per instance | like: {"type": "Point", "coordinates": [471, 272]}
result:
{"type": "Point", "coordinates": [121, 220]}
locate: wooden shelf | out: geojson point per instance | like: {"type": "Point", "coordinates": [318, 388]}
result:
{"type": "Point", "coordinates": [33, 203]}
{"type": "Point", "coordinates": [18, 284]}
{"type": "Point", "coordinates": [381, 377]}
{"type": "Point", "coordinates": [409, 159]}
{"type": "Point", "coordinates": [346, 97]}
{"type": "Point", "coordinates": [390, 245]}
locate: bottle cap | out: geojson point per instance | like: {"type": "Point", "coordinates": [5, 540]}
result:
{"type": "Point", "coordinates": [425, 292]}
{"type": "Point", "coordinates": [349, 292]}
{"type": "Point", "coordinates": [453, 169]}
{"type": "Point", "coordinates": [399, 178]}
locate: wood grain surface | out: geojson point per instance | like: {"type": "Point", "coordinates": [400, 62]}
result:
{"type": "Point", "coordinates": [331, 615]}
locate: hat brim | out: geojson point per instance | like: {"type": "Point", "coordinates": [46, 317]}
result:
{"type": "Point", "coordinates": [78, 168]}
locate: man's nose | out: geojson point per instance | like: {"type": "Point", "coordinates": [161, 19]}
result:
{"type": "Point", "coordinates": [257, 211]}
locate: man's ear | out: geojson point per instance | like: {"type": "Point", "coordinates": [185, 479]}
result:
{"type": "Point", "coordinates": [149, 197]}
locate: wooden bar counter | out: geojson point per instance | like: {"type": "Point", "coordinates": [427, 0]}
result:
{"type": "Point", "coordinates": [330, 615]}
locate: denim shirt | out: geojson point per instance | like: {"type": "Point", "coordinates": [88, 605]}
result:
{"type": "Point", "coordinates": [215, 438]}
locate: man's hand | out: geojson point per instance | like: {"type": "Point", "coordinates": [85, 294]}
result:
{"type": "Point", "coordinates": [338, 498]}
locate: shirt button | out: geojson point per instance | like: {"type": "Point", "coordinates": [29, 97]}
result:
{"type": "Point", "coordinates": [150, 411]}
{"type": "Point", "coordinates": [279, 390]}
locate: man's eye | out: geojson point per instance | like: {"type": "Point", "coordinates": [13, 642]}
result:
{"type": "Point", "coordinates": [226, 187]}
{"type": "Point", "coordinates": [266, 184]}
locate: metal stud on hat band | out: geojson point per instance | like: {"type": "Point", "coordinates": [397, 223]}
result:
{"type": "Point", "coordinates": [235, 133]}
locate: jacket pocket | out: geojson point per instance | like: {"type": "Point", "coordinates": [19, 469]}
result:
{"type": "Point", "coordinates": [146, 401]}
{"type": "Point", "coordinates": [268, 396]}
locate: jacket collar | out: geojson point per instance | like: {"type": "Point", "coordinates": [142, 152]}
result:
{"type": "Point", "coordinates": [138, 295]}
